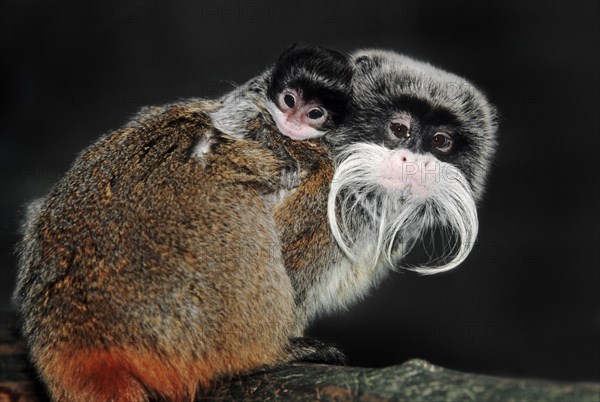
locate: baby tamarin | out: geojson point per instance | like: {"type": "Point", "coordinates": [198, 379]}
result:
{"type": "Point", "coordinates": [305, 93]}
{"type": "Point", "coordinates": [154, 265]}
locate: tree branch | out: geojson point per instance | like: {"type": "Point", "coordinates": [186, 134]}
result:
{"type": "Point", "coordinates": [415, 380]}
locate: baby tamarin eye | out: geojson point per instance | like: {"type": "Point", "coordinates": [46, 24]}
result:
{"type": "Point", "coordinates": [316, 114]}
{"type": "Point", "coordinates": [289, 101]}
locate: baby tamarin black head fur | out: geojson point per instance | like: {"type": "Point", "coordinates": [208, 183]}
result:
{"type": "Point", "coordinates": [308, 90]}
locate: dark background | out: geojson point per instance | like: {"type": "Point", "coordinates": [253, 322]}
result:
{"type": "Point", "coordinates": [525, 303]}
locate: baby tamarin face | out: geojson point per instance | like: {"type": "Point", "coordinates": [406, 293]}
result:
{"type": "Point", "coordinates": [308, 91]}
{"type": "Point", "coordinates": [412, 157]}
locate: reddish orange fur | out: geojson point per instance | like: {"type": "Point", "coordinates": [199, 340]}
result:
{"type": "Point", "coordinates": [121, 374]}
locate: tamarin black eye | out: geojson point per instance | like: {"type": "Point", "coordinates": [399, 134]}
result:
{"type": "Point", "coordinates": [289, 100]}
{"type": "Point", "coordinates": [442, 141]}
{"type": "Point", "coordinates": [400, 130]}
{"type": "Point", "coordinates": [315, 114]}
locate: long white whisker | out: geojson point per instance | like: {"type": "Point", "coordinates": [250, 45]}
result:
{"type": "Point", "coordinates": [363, 212]}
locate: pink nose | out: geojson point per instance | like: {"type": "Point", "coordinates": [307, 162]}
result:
{"type": "Point", "coordinates": [409, 171]}
{"type": "Point", "coordinates": [410, 157]}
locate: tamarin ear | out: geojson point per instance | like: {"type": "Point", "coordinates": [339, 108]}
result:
{"type": "Point", "coordinates": [338, 55]}
{"type": "Point", "coordinates": [364, 63]}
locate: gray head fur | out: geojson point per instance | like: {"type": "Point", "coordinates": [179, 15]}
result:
{"type": "Point", "coordinates": [385, 78]}
{"type": "Point", "coordinates": [373, 199]}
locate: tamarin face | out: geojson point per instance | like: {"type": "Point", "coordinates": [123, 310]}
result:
{"type": "Point", "coordinates": [412, 157]}
{"type": "Point", "coordinates": [309, 90]}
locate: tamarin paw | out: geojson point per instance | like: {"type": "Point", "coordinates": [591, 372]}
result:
{"type": "Point", "coordinates": [311, 350]}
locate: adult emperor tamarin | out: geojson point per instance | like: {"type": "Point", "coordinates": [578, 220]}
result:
{"type": "Point", "coordinates": [160, 263]}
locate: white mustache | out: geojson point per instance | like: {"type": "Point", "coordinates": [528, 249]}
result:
{"type": "Point", "coordinates": [362, 211]}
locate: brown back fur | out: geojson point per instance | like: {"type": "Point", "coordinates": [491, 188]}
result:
{"type": "Point", "coordinates": [152, 271]}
